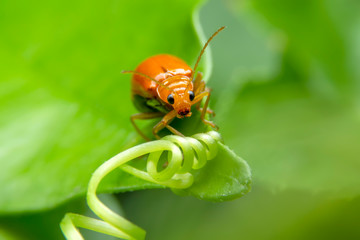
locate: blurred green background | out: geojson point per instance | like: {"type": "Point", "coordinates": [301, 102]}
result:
{"type": "Point", "coordinates": [286, 87]}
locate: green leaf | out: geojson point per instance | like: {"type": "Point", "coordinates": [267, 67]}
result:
{"type": "Point", "coordinates": [223, 178]}
{"type": "Point", "coordinates": [64, 104]}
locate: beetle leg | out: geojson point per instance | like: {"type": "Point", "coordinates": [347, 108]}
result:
{"type": "Point", "coordinates": [198, 80]}
{"type": "Point", "coordinates": [148, 115]}
{"type": "Point", "coordinates": [164, 123]}
{"type": "Point", "coordinates": [199, 88]}
{"type": "Point", "coordinates": [198, 99]}
{"type": "Point", "coordinates": [174, 131]}
{"type": "Point", "coordinates": [198, 105]}
{"type": "Point", "coordinates": [208, 110]}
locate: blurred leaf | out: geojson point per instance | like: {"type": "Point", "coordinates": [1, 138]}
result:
{"type": "Point", "coordinates": [45, 225]}
{"type": "Point", "coordinates": [27, 226]}
{"type": "Point", "coordinates": [6, 235]}
{"type": "Point", "coordinates": [296, 140]}
{"type": "Point", "coordinates": [249, 49]}
{"type": "Point", "coordinates": [313, 38]}
{"type": "Point", "coordinates": [262, 214]}
{"type": "Point", "coordinates": [298, 126]}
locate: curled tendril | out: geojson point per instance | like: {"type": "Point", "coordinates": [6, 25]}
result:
{"type": "Point", "coordinates": [186, 153]}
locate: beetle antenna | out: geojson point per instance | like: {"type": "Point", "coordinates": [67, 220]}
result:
{"type": "Point", "coordinates": [203, 49]}
{"type": "Point", "coordinates": [148, 77]}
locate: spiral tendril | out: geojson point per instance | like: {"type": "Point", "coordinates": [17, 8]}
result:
{"type": "Point", "coordinates": [184, 154]}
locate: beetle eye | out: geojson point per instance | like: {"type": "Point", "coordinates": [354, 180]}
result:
{"type": "Point", "coordinates": [191, 95]}
{"type": "Point", "coordinates": [170, 99]}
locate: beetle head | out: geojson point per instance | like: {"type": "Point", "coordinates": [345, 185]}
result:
{"type": "Point", "coordinates": [181, 102]}
{"type": "Point", "coordinates": [182, 105]}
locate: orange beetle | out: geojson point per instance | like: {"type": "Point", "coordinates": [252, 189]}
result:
{"type": "Point", "coordinates": [163, 86]}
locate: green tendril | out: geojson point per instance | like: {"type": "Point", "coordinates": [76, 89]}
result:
{"type": "Point", "coordinates": [184, 154]}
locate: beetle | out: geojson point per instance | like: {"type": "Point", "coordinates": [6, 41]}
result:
{"type": "Point", "coordinates": [164, 86]}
